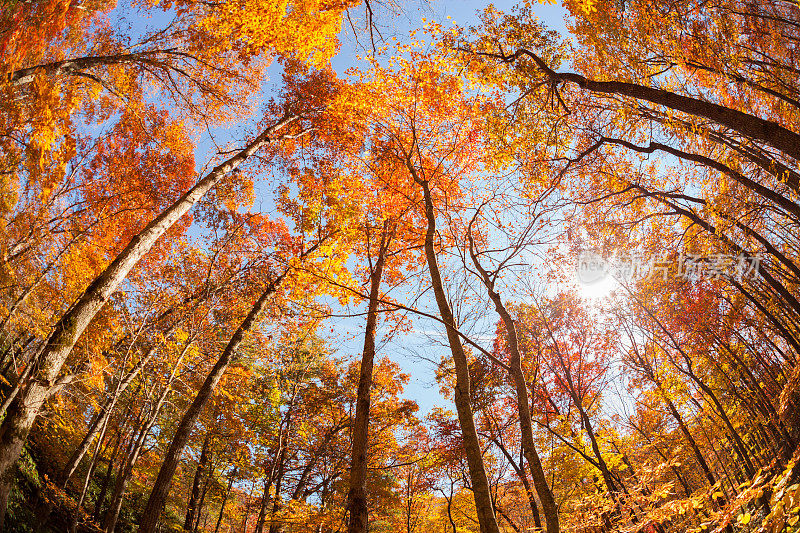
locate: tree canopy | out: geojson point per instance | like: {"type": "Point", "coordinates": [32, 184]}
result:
{"type": "Point", "coordinates": [494, 274]}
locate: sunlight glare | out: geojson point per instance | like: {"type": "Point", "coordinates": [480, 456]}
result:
{"type": "Point", "coordinates": [596, 290]}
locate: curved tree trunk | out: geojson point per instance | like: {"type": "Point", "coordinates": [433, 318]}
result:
{"type": "Point", "coordinates": [757, 128]}
{"type": "Point", "coordinates": [787, 204]}
{"type": "Point", "coordinates": [45, 379]}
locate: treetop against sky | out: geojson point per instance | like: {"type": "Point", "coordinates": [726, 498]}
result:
{"type": "Point", "coordinates": [321, 266]}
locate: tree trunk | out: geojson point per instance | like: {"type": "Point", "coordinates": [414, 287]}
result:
{"type": "Point", "coordinates": [276, 469]}
{"type": "Point", "coordinates": [123, 477]}
{"type": "Point", "coordinates": [224, 501]}
{"type": "Point", "coordinates": [209, 477]}
{"type": "Point", "coordinates": [158, 495]}
{"type": "Point", "coordinates": [480, 484]}
{"type": "Point", "coordinates": [738, 445]}
{"type": "Point", "coordinates": [194, 495]}
{"type": "Point", "coordinates": [44, 380]}
{"type": "Point", "coordinates": [608, 477]}
{"type": "Point", "coordinates": [777, 286]}
{"type": "Point", "coordinates": [701, 460]}
{"type": "Point", "coordinates": [788, 205]}
{"type": "Point", "coordinates": [262, 512]}
{"type": "Point", "coordinates": [103, 416]}
{"type": "Point", "coordinates": [274, 525]}
{"type": "Point", "coordinates": [122, 482]}
{"type": "Point", "coordinates": [76, 66]}
{"type": "Point", "coordinates": [101, 496]}
{"type": "Point", "coordinates": [304, 475]}
{"type": "Point", "coordinates": [89, 474]}
{"type": "Point", "coordinates": [549, 506]}
{"type": "Point", "coordinates": [357, 497]}
{"type": "Point", "coordinates": [537, 519]}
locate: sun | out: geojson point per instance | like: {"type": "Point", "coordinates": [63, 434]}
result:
{"type": "Point", "coordinates": [596, 290]}
{"type": "Point", "coordinates": [593, 276]}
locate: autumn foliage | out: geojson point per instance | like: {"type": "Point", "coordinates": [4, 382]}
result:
{"type": "Point", "coordinates": [351, 299]}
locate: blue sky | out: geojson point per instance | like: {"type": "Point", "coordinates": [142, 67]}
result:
{"type": "Point", "coordinates": [418, 351]}
{"type": "Point", "coordinates": [463, 13]}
